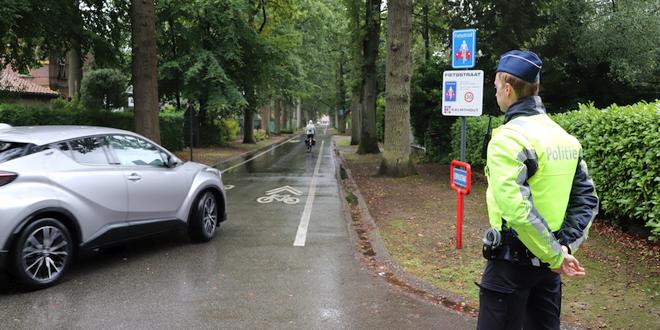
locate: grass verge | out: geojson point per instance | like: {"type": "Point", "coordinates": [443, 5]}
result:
{"type": "Point", "coordinates": [416, 219]}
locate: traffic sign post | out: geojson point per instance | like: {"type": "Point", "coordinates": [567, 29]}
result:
{"type": "Point", "coordinates": [460, 179]}
{"type": "Point", "coordinates": [462, 95]}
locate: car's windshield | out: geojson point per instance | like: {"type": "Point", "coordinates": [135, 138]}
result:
{"type": "Point", "coordinates": [12, 150]}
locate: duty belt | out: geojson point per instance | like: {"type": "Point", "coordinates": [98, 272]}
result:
{"type": "Point", "coordinates": [513, 250]}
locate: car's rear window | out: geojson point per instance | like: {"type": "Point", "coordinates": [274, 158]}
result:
{"type": "Point", "coordinates": [12, 150]}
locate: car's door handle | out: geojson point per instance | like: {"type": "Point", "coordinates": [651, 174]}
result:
{"type": "Point", "coordinates": [134, 177]}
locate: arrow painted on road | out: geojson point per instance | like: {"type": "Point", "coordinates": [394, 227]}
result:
{"type": "Point", "coordinates": [288, 189]}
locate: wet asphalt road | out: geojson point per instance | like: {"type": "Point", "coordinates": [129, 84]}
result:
{"type": "Point", "coordinates": [251, 276]}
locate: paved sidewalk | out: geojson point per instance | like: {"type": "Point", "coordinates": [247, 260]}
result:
{"type": "Point", "coordinates": [366, 236]}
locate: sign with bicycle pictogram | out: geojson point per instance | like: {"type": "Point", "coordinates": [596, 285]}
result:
{"type": "Point", "coordinates": [463, 50]}
{"type": "Point", "coordinates": [285, 194]}
{"type": "Point", "coordinates": [463, 93]}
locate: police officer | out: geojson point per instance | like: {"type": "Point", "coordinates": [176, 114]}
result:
{"type": "Point", "coordinates": [541, 203]}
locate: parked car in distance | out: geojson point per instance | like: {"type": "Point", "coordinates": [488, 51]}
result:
{"type": "Point", "coordinates": [64, 189]}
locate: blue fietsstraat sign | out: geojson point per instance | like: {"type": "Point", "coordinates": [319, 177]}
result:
{"type": "Point", "coordinates": [460, 177]}
{"type": "Point", "coordinates": [450, 91]}
{"type": "Point", "coordinates": [463, 49]}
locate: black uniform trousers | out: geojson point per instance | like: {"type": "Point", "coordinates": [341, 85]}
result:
{"type": "Point", "coordinates": [519, 296]}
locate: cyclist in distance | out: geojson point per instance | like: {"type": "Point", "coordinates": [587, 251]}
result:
{"type": "Point", "coordinates": [310, 130]}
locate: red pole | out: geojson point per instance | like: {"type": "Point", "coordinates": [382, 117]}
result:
{"type": "Point", "coordinates": [460, 192]}
{"type": "Point", "coordinates": [459, 221]}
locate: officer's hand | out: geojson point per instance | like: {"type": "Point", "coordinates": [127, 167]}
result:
{"type": "Point", "coordinates": [570, 266]}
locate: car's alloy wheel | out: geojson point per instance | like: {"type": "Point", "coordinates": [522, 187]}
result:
{"type": "Point", "coordinates": [204, 220]}
{"type": "Point", "coordinates": [210, 214]}
{"type": "Point", "coordinates": [43, 253]}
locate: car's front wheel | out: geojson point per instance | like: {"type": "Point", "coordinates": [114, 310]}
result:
{"type": "Point", "coordinates": [204, 218]}
{"type": "Point", "coordinates": [42, 253]}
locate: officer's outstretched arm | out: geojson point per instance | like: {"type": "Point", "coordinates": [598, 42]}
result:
{"type": "Point", "coordinates": [511, 161]}
{"type": "Point", "coordinates": [581, 211]}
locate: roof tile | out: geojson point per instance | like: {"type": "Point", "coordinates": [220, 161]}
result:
{"type": "Point", "coordinates": [11, 81]}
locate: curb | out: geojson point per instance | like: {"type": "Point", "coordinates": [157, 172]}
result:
{"type": "Point", "coordinates": [364, 235]}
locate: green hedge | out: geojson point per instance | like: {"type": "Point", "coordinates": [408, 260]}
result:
{"type": "Point", "coordinates": [171, 130]}
{"type": "Point", "coordinates": [476, 130]}
{"type": "Point", "coordinates": [622, 149]}
{"type": "Point", "coordinates": [171, 124]}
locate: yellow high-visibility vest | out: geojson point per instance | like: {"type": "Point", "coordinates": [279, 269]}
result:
{"type": "Point", "coordinates": [531, 165]}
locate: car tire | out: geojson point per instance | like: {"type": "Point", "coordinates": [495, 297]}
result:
{"type": "Point", "coordinates": [204, 218]}
{"type": "Point", "coordinates": [42, 254]}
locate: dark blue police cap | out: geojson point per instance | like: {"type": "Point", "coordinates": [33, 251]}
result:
{"type": "Point", "coordinates": [522, 64]}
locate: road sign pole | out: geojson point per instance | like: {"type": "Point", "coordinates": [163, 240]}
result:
{"type": "Point", "coordinates": [459, 220]}
{"type": "Point", "coordinates": [463, 137]}
{"type": "Point", "coordinates": [460, 179]}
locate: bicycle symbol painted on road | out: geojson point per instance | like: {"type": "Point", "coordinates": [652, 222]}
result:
{"type": "Point", "coordinates": [286, 199]}
{"type": "Point", "coordinates": [274, 195]}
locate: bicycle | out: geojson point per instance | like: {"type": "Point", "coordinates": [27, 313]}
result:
{"type": "Point", "coordinates": [309, 142]}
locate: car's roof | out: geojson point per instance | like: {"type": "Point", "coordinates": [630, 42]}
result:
{"type": "Point", "coordinates": [41, 135]}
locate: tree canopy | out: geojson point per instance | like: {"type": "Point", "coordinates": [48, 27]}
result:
{"type": "Point", "coordinates": [231, 57]}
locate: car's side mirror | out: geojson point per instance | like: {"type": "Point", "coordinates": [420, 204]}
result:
{"type": "Point", "coordinates": [171, 161]}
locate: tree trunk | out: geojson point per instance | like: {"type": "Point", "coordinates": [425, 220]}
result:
{"type": "Point", "coordinates": [264, 111]}
{"type": "Point", "coordinates": [425, 33]}
{"type": "Point", "coordinates": [74, 68]}
{"type": "Point", "coordinates": [396, 158]}
{"type": "Point", "coordinates": [74, 55]}
{"type": "Point", "coordinates": [356, 115]}
{"type": "Point", "coordinates": [357, 59]}
{"type": "Point", "coordinates": [341, 99]}
{"type": "Point", "coordinates": [250, 89]}
{"type": "Point", "coordinates": [145, 79]}
{"type": "Point", "coordinates": [288, 116]}
{"type": "Point", "coordinates": [278, 115]}
{"type": "Point", "coordinates": [248, 133]}
{"type": "Point", "coordinates": [368, 138]}
{"type": "Point", "coordinates": [298, 114]}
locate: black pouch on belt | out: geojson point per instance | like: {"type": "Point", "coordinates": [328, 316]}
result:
{"type": "Point", "coordinates": [492, 242]}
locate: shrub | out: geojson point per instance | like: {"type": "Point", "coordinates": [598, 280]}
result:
{"type": "Point", "coordinates": [62, 104]}
{"type": "Point", "coordinates": [621, 146]}
{"type": "Point", "coordinates": [103, 89]}
{"type": "Point", "coordinates": [171, 125]}
{"type": "Point", "coordinates": [260, 135]}
{"type": "Point", "coordinates": [171, 130]}
{"type": "Point", "coordinates": [476, 131]}
{"type": "Point", "coordinates": [230, 128]}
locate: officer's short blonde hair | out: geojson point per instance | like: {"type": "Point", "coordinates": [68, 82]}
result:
{"type": "Point", "coordinates": [520, 87]}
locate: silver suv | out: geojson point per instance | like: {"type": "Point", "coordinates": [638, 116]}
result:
{"type": "Point", "coordinates": [67, 188]}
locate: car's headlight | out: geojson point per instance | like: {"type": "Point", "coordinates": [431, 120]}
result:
{"type": "Point", "coordinates": [213, 170]}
